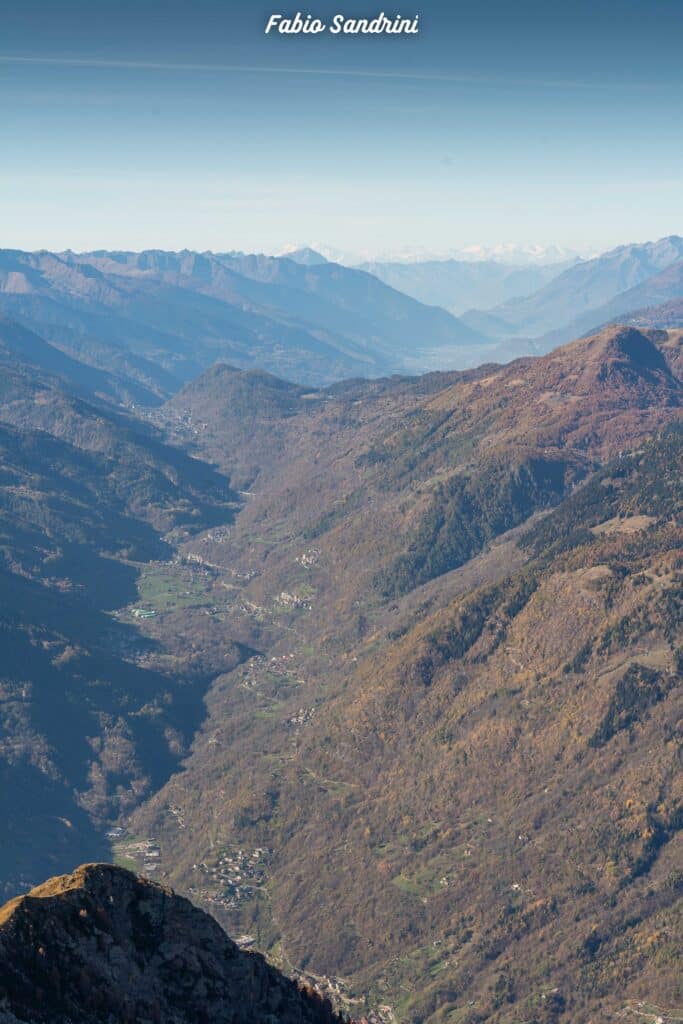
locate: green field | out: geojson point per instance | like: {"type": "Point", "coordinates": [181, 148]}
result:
{"type": "Point", "coordinates": [166, 589]}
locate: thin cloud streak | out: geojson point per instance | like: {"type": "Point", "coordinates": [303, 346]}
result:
{"type": "Point", "coordinates": [413, 76]}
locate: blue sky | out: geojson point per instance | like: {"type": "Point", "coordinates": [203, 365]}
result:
{"type": "Point", "coordinates": [140, 124]}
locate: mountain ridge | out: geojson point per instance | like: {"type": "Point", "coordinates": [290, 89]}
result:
{"type": "Point", "coordinates": [579, 298]}
{"type": "Point", "coordinates": [460, 285]}
{"type": "Point", "coordinates": [102, 942]}
{"type": "Point", "coordinates": [182, 311]}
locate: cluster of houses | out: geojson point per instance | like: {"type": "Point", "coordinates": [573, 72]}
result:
{"type": "Point", "coordinates": [336, 989]}
{"type": "Point", "coordinates": [194, 559]}
{"type": "Point", "coordinates": [289, 600]}
{"type": "Point", "coordinates": [382, 1015]}
{"type": "Point", "coordinates": [244, 575]}
{"type": "Point", "coordinates": [299, 718]}
{"type": "Point", "coordinates": [177, 813]}
{"type": "Point", "coordinates": [143, 613]}
{"type": "Point", "coordinates": [234, 877]}
{"type": "Point", "coordinates": [219, 535]}
{"type": "Point", "coordinates": [182, 419]}
{"type": "Point", "coordinates": [281, 663]}
{"type": "Point", "coordinates": [258, 668]}
{"type": "Point", "coordinates": [651, 1014]}
{"type": "Point", "coordinates": [309, 558]}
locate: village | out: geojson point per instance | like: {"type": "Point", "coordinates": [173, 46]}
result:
{"type": "Point", "coordinates": [260, 671]}
{"type": "Point", "coordinates": [233, 878]}
{"type": "Point", "coordinates": [309, 558]}
{"type": "Point", "coordinates": [299, 718]}
{"type": "Point", "coordinates": [230, 881]}
{"type": "Point", "coordinates": [336, 989]}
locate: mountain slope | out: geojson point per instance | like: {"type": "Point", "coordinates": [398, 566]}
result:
{"type": "Point", "coordinates": [252, 408]}
{"type": "Point", "coordinates": [101, 944]}
{"type": "Point", "coordinates": [458, 739]}
{"type": "Point", "coordinates": [19, 345]}
{"type": "Point", "coordinates": [668, 284]}
{"type": "Point", "coordinates": [407, 714]}
{"type": "Point", "coordinates": [183, 311]}
{"type": "Point", "coordinates": [497, 782]}
{"type": "Point", "coordinates": [157, 482]}
{"type": "Point", "coordinates": [668, 314]}
{"type": "Point", "coordinates": [655, 291]}
{"type": "Point", "coordinates": [581, 290]}
{"type": "Point", "coordinates": [92, 715]}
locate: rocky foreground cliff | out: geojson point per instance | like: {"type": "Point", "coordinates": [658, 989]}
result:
{"type": "Point", "coordinates": [103, 945]}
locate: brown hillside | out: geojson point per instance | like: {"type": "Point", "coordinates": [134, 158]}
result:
{"type": "Point", "coordinates": [460, 740]}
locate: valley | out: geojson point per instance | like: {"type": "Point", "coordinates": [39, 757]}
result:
{"type": "Point", "coordinates": [341, 513]}
{"type": "Point", "coordinates": [335, 756]}
{"type": "Point", "coordinates": [384, 674]}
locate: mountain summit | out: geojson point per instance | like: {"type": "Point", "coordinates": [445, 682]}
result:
{"type": "Point", "coordinates": [307, 257]}
{"type": "Point", "coordinates": [102, 944]}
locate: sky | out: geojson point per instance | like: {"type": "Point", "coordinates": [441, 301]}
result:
{"type": "Point", "coordinates": [143, 123]}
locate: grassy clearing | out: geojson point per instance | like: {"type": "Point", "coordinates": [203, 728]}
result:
{"type": "Point", "coordinates": [121, 861]}
{"type": "Point", "coordinates": [165, 590]}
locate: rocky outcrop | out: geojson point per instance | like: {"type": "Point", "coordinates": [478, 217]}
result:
{"type": "Point", "coordinates": [103, 945]}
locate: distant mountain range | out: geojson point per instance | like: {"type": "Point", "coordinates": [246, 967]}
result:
{"type": "Point", "coordinates": [154, 320]}
{"type": "Point", "coordinates": [504, 252]}
{"type": "Point", "coordinates": [149, 322]}
{"type": "Point", "coordinates": [535, 304]}
{"type": "Point", "coordinates": [588, 294]}
{"type": "Point", "coordinates": [307, 257]}
{"type": "Point", "coordinates": [457, 285]}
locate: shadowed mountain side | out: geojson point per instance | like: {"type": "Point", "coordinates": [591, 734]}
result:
{"type": "Point", "coordinates": [81, 708]}
{"type": "Point", "coordinates": [43, 828]}
{"type": "Point", "coordinates": [117, 453]}
{"type": "Point", "coordinates": [80, 718]}
{"type": "Point", "coordinates": [18, 344]}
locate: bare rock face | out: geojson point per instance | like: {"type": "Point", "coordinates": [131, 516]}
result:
{"type": "Point", "coordinates": [103, 945]}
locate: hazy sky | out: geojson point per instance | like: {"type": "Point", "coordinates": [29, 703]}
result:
{"type": "Point", "coordinates": [142, 123]}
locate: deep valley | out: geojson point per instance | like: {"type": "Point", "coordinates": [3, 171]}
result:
{"type": "Point", "coordinates": [383, 673]}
